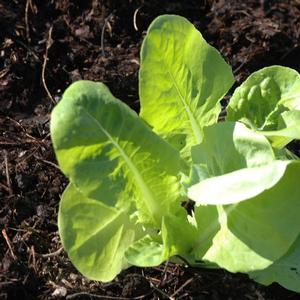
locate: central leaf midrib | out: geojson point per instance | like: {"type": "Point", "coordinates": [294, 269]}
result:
{"type": "Point", "coordinates": [146, 192]}
{"type": "Point", "coordinates": [191, 117]}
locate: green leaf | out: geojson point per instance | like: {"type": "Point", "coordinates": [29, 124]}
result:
{"type": "Point", "coordinates": [284, 153]}
{"type": "Point", "coordinates": [288, 129]}
{"type": "Point", "coordinates": [94, 235]}
{"type": "Point", "coordinates": [182, 80]}
{"type": "Point", "coordinates": [261, 101]}
{"type": "Point", "coordinates": [242, 166]}
{"type": "Point", "coordinates": [285, 271]}
{"type": "Point", "coordinates": [146, 252]}
{"type": "Point", "coordinates": [178, 235]}
{"type": "Point", "coordinates": [251, 234]}
{"type": "Point", "coordinates": [230, 146]}
{"type": "Point", "coordinates": [257, 232]}
{"type": "Point", "coordinates": [197, 173]}
{"type": "Point", "coordinates": [152, 250]}
{"type": "Point", "coordinates": [237, 186]}
{"type": "Point", "coordinates": [232, 252]}
{"type": "Point", "coordinates": [111, 155]}
{"type": "Point", "coordinates": [206, 218]}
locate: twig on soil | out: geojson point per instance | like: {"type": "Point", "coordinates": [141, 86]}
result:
{"type": "Point", "coordinates": [23, 128]}
{"type": "Point", "coordinates": [8, 244]}
{"type": "Point", "coordinates": [27, 157]}
{"type": "Point", "coordinates": [102, 33]}
{"type": "Point", "coordinates": [3, 72]}
{"type": "Point", "coordinates": [183, 296]}
{"type": "Point", "coordinates": [181, 287]}
{"type": "Point", "coordinates": [48, 45]}
{"type": "Point", "coordinates": [16, 143]}
{"type": "Point", "coordinates": [134, 18]}
{"type": "Point", "coordinates": [164, 274]}
{"type": "Point", "coordinates": [6, 283]}
{"type": "Point", "coordinates": [17, 229]}
{"type": "Point", "coordinates": [161, 292]}
{"type": "Point", "coordinates": [26, 21]}
{"type": "Point", "coordinates": [94, 296]}
{"type": "Point", "coordinates": [52, 254]}
{"type": "Point", "coordinates": [32, 255]}
{"type": "Point", "coordinates": [4, 187]}
{"type": "Point", "coordinates": [8, 183]}
{"type": "Point", "coordinates": [239, 67]}
{"type": "Point", "coordinates": [47, 162]}
{"type": "Point", "coordinates": [244, 12]}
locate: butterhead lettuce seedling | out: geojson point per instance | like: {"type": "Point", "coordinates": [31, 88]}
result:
{"type": "Point", "coordinates": [129, 174]}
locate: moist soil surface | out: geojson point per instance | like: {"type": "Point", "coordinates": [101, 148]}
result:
{"type": "Point", "coordinates": [45, 46]}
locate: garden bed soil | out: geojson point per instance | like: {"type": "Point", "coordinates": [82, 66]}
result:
{"type": "Point", "coordinates": [46, 45]}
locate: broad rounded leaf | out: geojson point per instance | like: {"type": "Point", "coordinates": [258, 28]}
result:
{"type": "Point", "coordinates": [231, 252]}
{"type": "Point", "coordinates": [111, 155]}
{"type": "Point", "coordinates": [94, 235]}
{"type": "Point", "coordinates": [146, 252]}
{"type": "Point", "coordinates": [178, 235]}
{"type": "Point", "coordinates": [262, 99]}
{"type": "Point", "coordinates": [230, 146]}
{"type": "Point", "coordinates": [182, 80]}
{"type": "Point", "coordinates": [237, 186]}
{"type": "Point", "coordinates": [285, 271]}
{"type": "Point", "coordinates": [257, 232]}
{"type": "Point", "coordinates": [241, 166]}
{"type": "Point", "coordinates": [176, 238]}
{"type": "Point", "coordinates": [288, 129]}
{"type": "Point", "coordinates": [208, 225]}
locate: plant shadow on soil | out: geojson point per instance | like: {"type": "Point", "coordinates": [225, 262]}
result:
{"type": "Point", "coordinates": [46, 45]}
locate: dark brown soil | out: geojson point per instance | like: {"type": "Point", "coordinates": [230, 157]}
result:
{"type": "Point", "coordinates": [46, 45]}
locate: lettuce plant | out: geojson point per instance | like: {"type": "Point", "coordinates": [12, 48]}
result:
{"type": "Point", "coordinates": [130, 174]}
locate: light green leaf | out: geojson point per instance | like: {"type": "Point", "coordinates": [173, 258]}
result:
{"type": "Point", "coordinates": [231, 252]}
{"type": "Point", "coordinates": [242, 166]}
{"type": "Point", "coordinates": [111, 155]}
{"type": "Point", "coordinates": [288, 129]}
{"type": "Point", "coordinates": [285, 271]}
{"type": "Point", "coordinates": [146, 252]}
{"type": "Point", "coordinates": [178, 235]}
{"type": "Point", "coordinates": [284, 153]}
{"type": "Point", "coordinates": [230, 146]}
{"type": "Point", "coordinates": [237, 186]}
{"type": "Point", "coordinates": [263, 98]}
{"type": "Point", "coordinates": [254, 233]}
{"type": "Point", "coordinates": [176, 238]}
{"type": "Point", "coordinates": [94, 235]}
{"type": "Point", "coordinates": [198, 173]}
{"type": "Point", "coordinates": [207, 220]}
{"type": "Point", "coordinates": [182, 80]}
